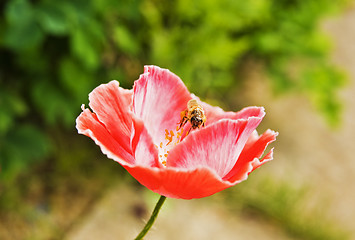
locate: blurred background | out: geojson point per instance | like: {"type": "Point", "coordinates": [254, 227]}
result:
{"type": "Point", "coordinates": [296, 58]}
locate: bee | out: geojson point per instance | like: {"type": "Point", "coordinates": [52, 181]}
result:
{"type": "Point", "coordinates": [195, 114]}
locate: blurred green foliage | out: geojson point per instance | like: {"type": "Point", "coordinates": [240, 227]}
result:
{"type": "Point", "coordinates": [53, 53]}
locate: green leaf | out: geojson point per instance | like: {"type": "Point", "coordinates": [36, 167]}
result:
{"type": "Point", "coordinates": [53, 104]}
{"type": "Point", "coordinates": [18, 12]}
{"type": "Point", "coordinates": [75, 79]}
{"type": "Point", "coordinates": [125, 40]}
{"type": "Point", "coordinates": [53, 18]}
{"type": "Point", "coordinates": [22, 146]}
{"type": "Point", "coordinates": [6, 120]}
{"type": "Point", "coordinates": [23, 37]}
{"type": "Point", "coordinates": [85, 48]}
{"type": "Point", "coordinates": [321, 83]}
{"type": "Point", "coordinates": [22, 31]}
{"type": "Point", "coordinates": [11, 106]}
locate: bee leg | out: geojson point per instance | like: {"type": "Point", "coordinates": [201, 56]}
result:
{"type": "Point", "coordinates": [183, 118]}
{"type": "Point", "coordinates": [183, 122]}
{"type": "Point", "coordinates": [183, 115]}
{"type": "Point", "coordinates": [188, 131]}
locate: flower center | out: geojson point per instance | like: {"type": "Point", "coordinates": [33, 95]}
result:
{"type": "Point", "coordinates": [172, 138]}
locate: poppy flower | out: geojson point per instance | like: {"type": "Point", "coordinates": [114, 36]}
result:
{"type": "Point", "coordinates": [139, 129]}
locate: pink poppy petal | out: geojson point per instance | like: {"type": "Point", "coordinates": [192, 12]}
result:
{"type": "Point", "coordinates": [144, 151]}
{"type": "Point", "coordinates": [252, 152]}
{"type": "Point", "coordinates": [174, 183]}
{"type": "Point", "coordinates": [159, 97]}
{"type": "Point", "coordinates": [88, 124]}
{"type": "Point", "coordinates": [217, 146]}
{"type": "Point", "coordinates": [258, 162]}
{"type": "Point", "coordinates": [214, 114]}
{"type": "Point", "coordinates": [247, 168]}
{"type": "Point", "coordinates": [111, 103]}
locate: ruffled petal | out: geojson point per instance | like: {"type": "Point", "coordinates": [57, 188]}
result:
{"type": "Point", "coordinates": [174, 183]}
{"type": "Point", "coordinates": [258, 162]}
{"type": "Point", "coordinates": [112, 104]}
{"type": "Point", "coordinates": [159, 97]}
{"type": "Point", "coordinates": [88, 124]}
{"type": "Point", "coordinates": [213, 114]}
{"type": "Point", "coordinates": [217, 146]}
{"type": "Point", "coordinates": [248, 160]}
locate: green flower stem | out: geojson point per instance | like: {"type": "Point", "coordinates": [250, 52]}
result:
{"type": "Point", "coordinates": [152, 218]}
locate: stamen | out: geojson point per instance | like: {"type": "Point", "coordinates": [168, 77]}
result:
{"type": "Point", "coordinates": [169, 136]}
{"type": "Point", "coordinates": [172, 138]}
{"type": "Point", "coordinates": [166, 134]}
{"type": "Point", "coordinates": [179, 134]}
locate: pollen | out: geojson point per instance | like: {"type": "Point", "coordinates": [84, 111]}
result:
{"type": "Point", "coordinates": [172, 138]}
{"type": "Point", "coordinates": [169, 136]}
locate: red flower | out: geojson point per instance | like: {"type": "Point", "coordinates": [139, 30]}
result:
{"type": "Point", "coordinates": [138, 129]}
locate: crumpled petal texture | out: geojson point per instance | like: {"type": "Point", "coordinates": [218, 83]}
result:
{"type": "Point", "coordinates": [130, 125]}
